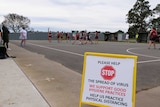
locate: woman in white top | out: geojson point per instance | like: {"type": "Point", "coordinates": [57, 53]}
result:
{"type": "Point", "coordinates": [127, 37]}
{"type": "Point", "coordinates": [23, 36]}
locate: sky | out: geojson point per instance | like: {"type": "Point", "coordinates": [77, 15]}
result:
{"type": "Point", "coordinates": [68, 15]}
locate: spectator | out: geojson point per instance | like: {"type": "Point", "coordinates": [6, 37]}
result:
{"type": "Point", "coordinates": [127, 37]}
{"type": "Point", "coordinates": [136, 37]}
{"type": "Point", "coordinates": [5, 36]}
{"type": "Point", "coordinates": [0, 36]}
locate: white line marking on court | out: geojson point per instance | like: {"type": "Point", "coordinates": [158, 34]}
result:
{"type": "Point", "coordinates": [128, 50]}
{"type": "Point", "coordinates": [140, 62]}
{"type": "Point", "coordinates": [57, 49]}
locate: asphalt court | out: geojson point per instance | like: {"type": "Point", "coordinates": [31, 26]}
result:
{"type": "Point", "coordinates": [148, 65]}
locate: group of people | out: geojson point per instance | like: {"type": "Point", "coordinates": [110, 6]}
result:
{"type": "Point", "coordinates": [4, 40]}
{"type": "Point", "coordinates": [127, 37]}
{"type": "Point", "coordinates": [83, 37]}
{"type": "Point", "coordinates": [4, 36]}
{"type": "Point", "coordinates": [153, 37]}
{"type": "Point", "coordinates": [59, 36]}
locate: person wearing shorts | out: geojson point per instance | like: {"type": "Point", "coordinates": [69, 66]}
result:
{"type": "Point", "coordinates": [152, 38]}
{"type": "Point", "coordinates": [58, 37]}
{"type": "Point", "coordinates": [49, 36]}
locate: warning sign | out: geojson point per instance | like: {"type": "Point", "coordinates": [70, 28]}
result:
{"type": "Point", "coordinates": [108, 80]}
{"type": "Point", "coordinates": [108, 72]}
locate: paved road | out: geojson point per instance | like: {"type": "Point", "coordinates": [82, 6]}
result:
{"type": "Point", "coordinates": [71, 56]}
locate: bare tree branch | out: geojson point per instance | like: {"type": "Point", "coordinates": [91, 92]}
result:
{"type": "Point", "coordinates": [15, 22]}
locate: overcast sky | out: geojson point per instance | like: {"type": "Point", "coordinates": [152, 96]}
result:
{"type": "Point", "coordinates": [67, 15]}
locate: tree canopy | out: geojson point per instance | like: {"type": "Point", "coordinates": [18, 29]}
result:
{"type": "Point", "coordinates": [14, 22]}
{"type": "Point", "coordinates": [141, 18]}
{"type": "Point", "coordinates": [156, 21]}
{"type": "Point", "coordinates": [138, 15]}
{"type": "Point", "coordinates": [157, 9]}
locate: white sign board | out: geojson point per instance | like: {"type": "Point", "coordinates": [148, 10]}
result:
{"type": "Point", "coordinates": [108, 80]}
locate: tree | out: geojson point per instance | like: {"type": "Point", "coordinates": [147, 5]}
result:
{"type": "Point", "coordinates": [157, 9]}
{"type": "Point", "coordinates": [156, 23]}
{"type": "Point", "coordinates": [138, 15]}
{"type": "Point", "coordinates": [132, 31]}
{"type": "Point", "coordinates": [156, 20]}
{"type": "Point", "coordinates": [15, 22]}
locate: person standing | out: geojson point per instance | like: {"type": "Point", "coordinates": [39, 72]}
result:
{"type": "Point", "coordinates": [0, 36]}
{"type": "Point", "coordinates": [23, 36]}
{"type": "Point", "coordinates": [96, 37]}
{"type": "Point", "coordinates": [5, 36]}
{"type": "Point", "coordinates": [152, 38]}
{"type": "Point", "coordinates": [49, 36]}
{"type": "Point", "coordinates": [127, 37]}
{"type": "Point", "coordinates": [75, 36]}
{"type": "Point", "coordinates": [67, 36]}
{"type": "Point", "coordinates": [136, 37]}
{"type": "Point", "coordinates": [58, 37]}
{"type": "Point", "coordinates": [89, 38]}
{"type": "Point", "coordinates": [81, 37]}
